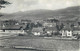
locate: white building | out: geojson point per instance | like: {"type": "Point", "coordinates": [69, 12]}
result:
{"type": "Point", "coordinates": [37, 31]}
{"type": "Point", "coordinates": [67, 32]}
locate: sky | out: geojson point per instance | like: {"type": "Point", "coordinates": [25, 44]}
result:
{"type": "Point", "coordinates": [25, 5]}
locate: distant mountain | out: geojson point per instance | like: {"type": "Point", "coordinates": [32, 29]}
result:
{"type": "Point", "coordinates": [66, 13]}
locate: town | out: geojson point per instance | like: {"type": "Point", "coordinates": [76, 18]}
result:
{"type": "Point", "coordinates": [49, 27]}
{"type": "Point", "coordinates": [39, 25]}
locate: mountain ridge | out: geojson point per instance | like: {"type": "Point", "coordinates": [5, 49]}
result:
{"type": "Point", "coordinates": [67, 13]}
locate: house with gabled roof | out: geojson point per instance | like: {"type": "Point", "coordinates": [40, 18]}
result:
{"type": "Point", "coordinates": [70, 23]}
{"type": "Point", "coordinates": [66, 32]}
{"type": "Point", "coordinates": [37, 31]}
{"type": "Point", "coordinates": [51, 30]}
{"type": "Point", "coordinates": [15, 29]}
{"type": "Point", "coordinates": [49, 22]}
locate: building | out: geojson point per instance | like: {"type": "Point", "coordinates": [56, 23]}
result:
{"type": "Point", "coordinates": [46, 24]}
{"type": "Point", "coordinates": [70, 23]}
{"type": "Point", "coordinates": [49, 23]}
{"type": "Point", "coordinates": [0, 24]}
{"type": "Point", "coordinates": [37, 31]}
{"type": "Point", "coordinates": [76, 31]}
{"type": "Point", "coordinates": [66, 32]}
{"type": "Point", "coordinates": [25, 21]}
{"type": "Point", "coordinates": [9, 22]}
{"type": "Point", "coordinates": [51, 30]}
{"type": "Point", "coordinates": [15, 29]}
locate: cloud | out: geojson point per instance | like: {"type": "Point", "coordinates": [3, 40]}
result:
{"type": "Point", "coordinates": [24, 5]}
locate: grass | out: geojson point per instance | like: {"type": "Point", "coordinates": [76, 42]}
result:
{"type": "Point", "coordinates": [43, 43]}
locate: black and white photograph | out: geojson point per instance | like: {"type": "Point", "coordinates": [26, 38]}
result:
{"type": "Point", "coordinates": [39, 25]}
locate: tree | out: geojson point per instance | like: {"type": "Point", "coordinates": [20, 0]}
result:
{"type": "Point", "coordinates": [38, 24]}
{"type": "Point", "coordinates": [72, 25]}
{"type": "Point", "coordinates": [29, 26]}
{"type": "Point", "coordinates": [2, 3]}
{"type": "Point", "coordinates": [59, 27]}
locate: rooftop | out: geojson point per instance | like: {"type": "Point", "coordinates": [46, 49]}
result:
{"type": "Point", "coordinates": [51, 29]}
{"type": "Point", "coordinates": [14, 27]}
{"type": "Point", "coordinates": [39, 29]}
{"type": "Point", "coordinates": [76, 28]}
{"type": "Point", "coordinates": [67, 28]}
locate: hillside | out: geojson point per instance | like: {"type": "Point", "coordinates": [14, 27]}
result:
{"type": "Point", "coordinates": [66, 13]}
